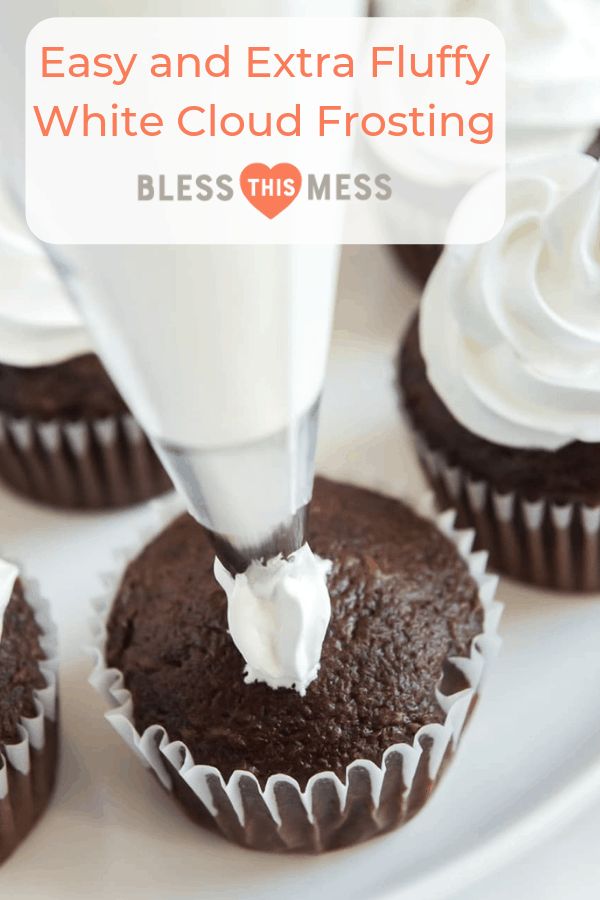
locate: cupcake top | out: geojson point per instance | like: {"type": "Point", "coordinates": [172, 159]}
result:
{"type": "Point", "coordinates": [403, 603]}
{"type": "Point", "coordinates": [78, 389]}
{"type": "Point", "coordinates": [38, 324]}
{"type": "Point", "coordinates": [510, 329]}
{"type": "Point", "coordinates": [553, 77]}
{"type": "Point", "coordinates": [20, 653]}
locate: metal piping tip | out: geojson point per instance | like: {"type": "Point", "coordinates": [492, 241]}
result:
{"type": "Point", "coordinates": [289, 537]}
{"type": "Point", "coordinates": [253, 497]}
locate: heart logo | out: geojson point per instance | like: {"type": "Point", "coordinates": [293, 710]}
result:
{"type": "Point", "coordinates": [270, 189]}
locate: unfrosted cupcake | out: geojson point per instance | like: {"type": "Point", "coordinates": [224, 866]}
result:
{"type": "Point", "coordinates": [361, 750]}
{"type": "Point", "coordinates": [501, 378]}
{"type": "Point", "coordinates": [28, 708]}
{"type": "Point", "coordinates": [66, 436]}
{"type": "Point", "coordinates": [552, 93]}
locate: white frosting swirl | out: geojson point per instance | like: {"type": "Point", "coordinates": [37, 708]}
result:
{"type": "Point", "coordinates": [278, 613]}
{"type": "Point", "coordinates": [8, 575]}
{"type": "Point", "coordinates": [510, 330]}
{"type": "Point", "coordinates": [552, 71]}
{"type": "Point", "coordinates": [38, 324]}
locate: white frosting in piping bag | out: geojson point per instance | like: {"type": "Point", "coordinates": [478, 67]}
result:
{"type": "Point", "coordinates": [278, 614]}
{"type": "Point", "coordinates": [510, 330]}
{"type": "Point", "coordinates": [222, 377]}
{"type": "Point", "coordinates": [220, 352]}
{"type": "Point", "coordinates": [38, 324]}
{"type": "Point", "coordinates": [8, 575]}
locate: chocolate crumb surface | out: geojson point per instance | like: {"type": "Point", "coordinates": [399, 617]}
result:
{"type": "Point", "coordinates": [402, 603]}
{"type": "Point", "coordinates": [73, 390]}
{"type": "Point", "coordinates": [20, 653]}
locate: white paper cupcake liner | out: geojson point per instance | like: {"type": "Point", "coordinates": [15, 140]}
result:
{"type": "Point", "coordinates": [534, 540]}
{"type": "Point", "coordinates": [28, 768]}
{"type": "Point", "coordinates": [96, 464]}
{"type": "Point", "coordinates": [329, 813]}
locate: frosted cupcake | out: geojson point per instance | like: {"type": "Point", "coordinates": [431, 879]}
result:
{"type": "Point", "coordinates": [552, 83]}
{"type": "Point", "coordinates": [359, 747]}
{"type": "Point", "coordinates": [28, 708]}
{"type": "Point", "coordinates": [66, 436]}
{"type": "Point", "coordinates": [501, 378]}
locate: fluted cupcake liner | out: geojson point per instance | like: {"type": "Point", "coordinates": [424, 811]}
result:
{"type": "Point", "coordinates": [28, 768]}
{"type": "Point", "coordinates": [330, 812]}
{"type": "Point", "coordinates": [553, 545]}
{"type": "Point", "coordinates": [96, 464]}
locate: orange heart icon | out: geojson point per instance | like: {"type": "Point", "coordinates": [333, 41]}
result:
{"type": "Point", "coordinates": [270, 190]}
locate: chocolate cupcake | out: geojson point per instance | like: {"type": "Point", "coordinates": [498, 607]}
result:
{"type": "Point", "coordinates": [412, 629]}
{"type": "Point", "coordinates": [500, 379]}
{"type": "Point", "coordinates": [66, 436]}
{"type": "Point", "coordinates": [28, 709]}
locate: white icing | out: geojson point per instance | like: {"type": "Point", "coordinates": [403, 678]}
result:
{"type": "Point", "coordinates": [552, 107]}
{"type": "Point", "coordinates": [278, 615]}
{"type": "Point", "coordinates": [552, 71]}
{"type": "Point", "coordinates": [38, 324]}
{"type": "Point", "coordinates": [510, 330]}
{"type": "Point", "coordinates": [8, 575]}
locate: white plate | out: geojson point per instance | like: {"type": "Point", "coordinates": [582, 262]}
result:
{"type": "Point", "coordinates": [528, 761]}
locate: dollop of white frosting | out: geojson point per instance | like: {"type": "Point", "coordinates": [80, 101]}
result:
{"type": "Point", "coordinates": [552, 71]}
{"type": "Point", "coordinates": [510, 330]}
{"type": "Point", "coordinates": [38, 324]}
{"type": "Point", "coordinates": [278, 613]}
{"type": "Point", "coordinates": [8, 575]}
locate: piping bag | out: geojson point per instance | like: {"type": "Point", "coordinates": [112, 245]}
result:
{"type": "Point", "coordinates": [220, 352]}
